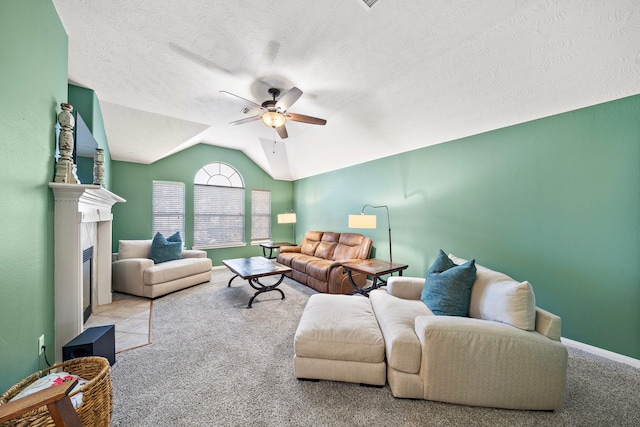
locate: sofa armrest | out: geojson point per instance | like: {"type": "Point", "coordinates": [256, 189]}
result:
{"type": "Point", "coordinates": [114, 256]}
{"type": "Point", "coordinates": [339, 282]}
{"type": "Point", "coordinates": [485, 363]}
{"type": "Point", "coordinates": [127, 275]}
{"type": "Point", "coordinates": [405, 287]}
{"type": "Point", "coordinates": [548, 324]}
{"type": "Point", "coordinates": [297, 249]}
{"type": "Point", "coordinates": [193, 253]}
{"type": "Point", "coordinates": [334, 264]}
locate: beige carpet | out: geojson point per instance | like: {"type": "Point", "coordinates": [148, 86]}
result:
{"type": "Point", "coordinates": [131, 316]}
{"type": "Point", "coordinates": [213, 362]}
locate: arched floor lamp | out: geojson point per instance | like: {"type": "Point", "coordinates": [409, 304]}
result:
{"type": "Point", "coordinates": [288, 218]}
{"type": "Point", "coordinates": [369, 221]}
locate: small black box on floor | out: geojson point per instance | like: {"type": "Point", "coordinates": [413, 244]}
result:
{"type": "Point", "coordinates": [96, 341]}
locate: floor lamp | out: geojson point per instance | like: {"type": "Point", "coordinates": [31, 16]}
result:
{"type": "Point", "coordinates": [369, 221]}
{"type": "Point", "coordinates": [288, 218]}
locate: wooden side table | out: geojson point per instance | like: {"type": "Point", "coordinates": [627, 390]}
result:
{"type": "Point", "coordinates": [271, 246]}
{"type": "Point", "coordinates": [374, 268]}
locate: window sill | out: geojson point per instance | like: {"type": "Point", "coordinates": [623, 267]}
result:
{"type": "Point", "coordinates": [226, 245]}
{"type": "Point", "coordinates": [259, 242]}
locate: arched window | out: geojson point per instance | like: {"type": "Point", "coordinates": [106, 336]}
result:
{"type": "Point", "coordinates": [218, 207]}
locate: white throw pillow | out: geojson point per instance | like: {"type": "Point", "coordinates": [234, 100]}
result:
{"type": "Point", "coordinates": [134, 249]}
{"type": "Point", "coordinates": [496, 296]}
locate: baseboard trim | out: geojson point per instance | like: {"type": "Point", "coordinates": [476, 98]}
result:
{"type": "Point", "coordinates": [602, 352]}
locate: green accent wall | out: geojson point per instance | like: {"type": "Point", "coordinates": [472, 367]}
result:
{"type": "Point", "coordinates": [33, 83]}
{"type": "Point", "coordinates": [555, 201]}
{"type": "Point", "coordinates": [134, 182]}
{"type": "Point", "coordinates": [86, 102]}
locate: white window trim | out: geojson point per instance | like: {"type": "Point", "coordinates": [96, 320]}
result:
{"type": "Point", "coordinates": [259, 242]}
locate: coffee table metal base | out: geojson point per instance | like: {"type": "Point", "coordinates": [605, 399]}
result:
{"type": "Point", "coordinates": [260, 288]}
{"type": "Point", "coordinates": [252, 269]}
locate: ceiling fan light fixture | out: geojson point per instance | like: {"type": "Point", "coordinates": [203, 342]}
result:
{"type": "Point", "coordinates": [273, 119]}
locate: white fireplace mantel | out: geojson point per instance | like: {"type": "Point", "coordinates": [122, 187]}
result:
{"type": "Point", "coordinates": [76, 207]}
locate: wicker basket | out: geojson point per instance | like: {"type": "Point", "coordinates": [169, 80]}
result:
{"type": "Point", "coordinates": [97, 400]}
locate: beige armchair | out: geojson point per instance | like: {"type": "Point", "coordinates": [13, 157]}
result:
{"type": "Point", "coordinates": [133, 272]}
{"type": "Point", "coordinates": [480, 360]}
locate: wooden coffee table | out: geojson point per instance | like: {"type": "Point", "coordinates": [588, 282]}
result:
{"type": "Point", "coordinates": [252, 269]}
{"type": "Point", "coordinates": [374, 268]}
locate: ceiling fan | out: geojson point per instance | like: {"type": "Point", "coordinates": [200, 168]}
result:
{"type": "Point", "coordinates": [274, 113]}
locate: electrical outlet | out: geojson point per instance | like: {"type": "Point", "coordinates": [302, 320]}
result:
{"type": "Point", "coordinates": [40, 344]}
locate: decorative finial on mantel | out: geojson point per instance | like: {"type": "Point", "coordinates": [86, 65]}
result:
{"type": "Point", "coordinates": [98, 167]}
{"type": "Point", "coordinates": [65, 168]}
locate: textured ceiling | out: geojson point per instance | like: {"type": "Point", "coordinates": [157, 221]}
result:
{"type": "Point", "coordinates": [396, 77]}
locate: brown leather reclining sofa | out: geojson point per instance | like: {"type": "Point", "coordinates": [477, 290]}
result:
{"type": "Point", "coordinates": [317, 261]}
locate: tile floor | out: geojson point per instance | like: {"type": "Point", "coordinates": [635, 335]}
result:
{"type": "Point", "coordinates": [131, 316]}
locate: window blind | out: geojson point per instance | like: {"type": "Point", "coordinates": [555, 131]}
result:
{"type": "Point", "coordinates": [218, 216]}
{"type": "Point", "coordinates": [260, 215]}
{"type": "Point", "coordinates": [168, 208]}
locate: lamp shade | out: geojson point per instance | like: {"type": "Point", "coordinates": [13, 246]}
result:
{"type": "Point", "coordinates": [287, 218]}
{"type": "Point", "coordinates": [362, 221]}
{"type": "Point", "coordinates": [273, 119]}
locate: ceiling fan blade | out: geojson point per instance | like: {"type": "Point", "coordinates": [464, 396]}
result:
{"type": "Point", "coordinates": [288, 99]}
{"type": "Point", "coordinates": [247, 120]}
{"type": "Point", "coordinates": [305, 119]}
{"type": "Point", "coordinates": [269, 55]}
{"type": "Point", "coordinates": [282, 132]}
{"type": "Point", "coordinates": [251, 103]}
{"type": "Point", "coordinates": [200, 60]}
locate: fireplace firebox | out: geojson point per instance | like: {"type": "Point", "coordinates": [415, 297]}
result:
{"type": "Point", "coordinates": [87, 282]}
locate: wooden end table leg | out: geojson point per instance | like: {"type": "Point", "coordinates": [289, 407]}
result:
{"type": "Point", "coordinates": [356, 289]}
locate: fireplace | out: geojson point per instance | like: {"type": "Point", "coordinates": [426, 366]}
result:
{"type": "Point", "coordinates": [82, 220]}
{"type": "Point", "coordinates": [87, 283]}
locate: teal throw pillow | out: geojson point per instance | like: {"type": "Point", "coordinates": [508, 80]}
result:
{"type": "Point", "coordinates": [163, 250]}
{"type": "Point", "coordinates": [442, 263]}
{"type": "Point", "coordinates": [175, 237]}
{"type": "Point", "coordinates": [447, 290]}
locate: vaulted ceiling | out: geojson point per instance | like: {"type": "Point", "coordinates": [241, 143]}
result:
{"type": "Point", "coordinates": [391, 78]}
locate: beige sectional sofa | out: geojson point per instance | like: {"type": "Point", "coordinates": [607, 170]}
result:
{"type": "Point", "coordinates": [317, 261]}
{"type": "Point", "coordinates": [133, 272]}
{"type": "Point", "coordinates": [507, 353]}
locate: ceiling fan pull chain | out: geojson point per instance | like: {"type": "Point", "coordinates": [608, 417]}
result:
{"type": "Point", "coordinates": [274, 140]}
